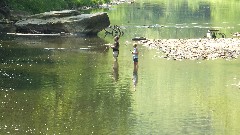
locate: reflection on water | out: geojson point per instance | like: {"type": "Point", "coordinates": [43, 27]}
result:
{"type": "Point", "coordinates": [62, 85]}
{"type": "Point", "coordinates": [135, 78]}
{"type": "Point", "coordinates": [115, 70]}
{"type": "Point", "coordinates": [54, 86]}
{"type": "Point", "coordinates": [180, 19]}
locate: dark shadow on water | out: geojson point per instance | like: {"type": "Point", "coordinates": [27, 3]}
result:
{"type": "Point", "coordinates": [135, 78]}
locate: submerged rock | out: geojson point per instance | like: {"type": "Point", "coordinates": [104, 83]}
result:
{"type": "Point", "coordinates": [138, 38]}
{"type": "Point", "coordinates": [67, 21]}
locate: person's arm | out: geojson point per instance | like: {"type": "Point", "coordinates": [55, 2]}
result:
{"type": "Point", "coordinates": [114, 45]}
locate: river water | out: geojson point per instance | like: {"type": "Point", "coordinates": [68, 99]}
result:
{"type": "Point", "coordinates": [72, 86]}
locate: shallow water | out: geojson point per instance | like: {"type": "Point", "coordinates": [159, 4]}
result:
{"type": "Point", "coordinates": [71, 85]}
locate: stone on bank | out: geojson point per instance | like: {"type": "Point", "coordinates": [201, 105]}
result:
{"type": "Point", "coordinates": [66, 21]}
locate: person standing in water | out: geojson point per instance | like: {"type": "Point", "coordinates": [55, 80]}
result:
{"type": "Point", "coordinates": [135, 65]}
{"type": "Point", "coordinates": [135, 57]}
{"type": "Point", "coordinates": [115, 48]}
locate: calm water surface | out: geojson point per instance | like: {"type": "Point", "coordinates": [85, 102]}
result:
{"type": "Point", "coordinates": [72, 86]}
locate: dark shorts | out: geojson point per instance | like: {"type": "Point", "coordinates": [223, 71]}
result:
{"type": "Point", "coordinates": [115, 53]}
{"type": "Point", "coordinates": [135, 59]}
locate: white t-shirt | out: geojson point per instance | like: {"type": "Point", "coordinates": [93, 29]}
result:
{"type": "Point", "coordinates": [135, 55]}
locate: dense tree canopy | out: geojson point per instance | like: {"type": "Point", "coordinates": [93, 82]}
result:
{"type": "Point", "coordinates": [37, 6]}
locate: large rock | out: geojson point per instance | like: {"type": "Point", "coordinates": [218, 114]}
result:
{"type": "Point", "coordinates": [68, 21]}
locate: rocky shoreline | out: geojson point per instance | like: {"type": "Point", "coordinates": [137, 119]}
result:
{"type": "Point", "coordinates": [195, 49]}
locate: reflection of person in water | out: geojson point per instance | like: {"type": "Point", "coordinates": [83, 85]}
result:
{"type": "Point", "coordinates": [115, 71]}
{"type": "Point", "coordinates": [135, 78]}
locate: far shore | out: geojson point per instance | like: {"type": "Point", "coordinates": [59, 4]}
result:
{"type": "Point", "coordinates": [195, 49]}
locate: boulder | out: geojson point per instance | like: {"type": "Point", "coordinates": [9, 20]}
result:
{"type": "Point", "coordinates": [67, 21]}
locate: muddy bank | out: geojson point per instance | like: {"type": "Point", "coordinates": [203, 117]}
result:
{"type": "Point", "coordinates": [195, 49]}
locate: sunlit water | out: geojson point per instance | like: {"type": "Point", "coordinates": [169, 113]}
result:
{"type": "Point", "coordinates": [71, 85]}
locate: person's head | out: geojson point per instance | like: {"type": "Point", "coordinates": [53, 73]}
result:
{"type": "Point", "coordinates": [134, 45]}
{"type": "Point", "coordinates": [116, 38]}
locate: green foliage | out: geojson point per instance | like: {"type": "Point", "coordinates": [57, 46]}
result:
{"type": "Point", "coordinates": [37, 6]}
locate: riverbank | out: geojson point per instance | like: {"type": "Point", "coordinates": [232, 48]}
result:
{"type": "Point", "coordinates": [195, 49]}
{"type": "Point", "coordinates": [8, 25]}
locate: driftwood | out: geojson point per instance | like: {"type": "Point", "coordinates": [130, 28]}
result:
{"type": "Point", "coordinates": [138, 38]}
{"type": "Point", "coordinates": [29, 34]}
{"type": "Point", "coordinates": [114, 30]}
{"type": "Point", "coordinates": [42, 34]}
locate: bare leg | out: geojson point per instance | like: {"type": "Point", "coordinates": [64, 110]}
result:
{"type": "Point", "coordinates": [135, 68]}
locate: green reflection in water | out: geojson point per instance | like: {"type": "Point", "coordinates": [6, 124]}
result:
{"type": "Point", "coordinates": [69, 86]}
{"type": "Point", "coordinates": [192, 97]}
{"type": "Point", "coordinates": [61, 86]}
{"type": "Point", "coordinates": [176, 19]}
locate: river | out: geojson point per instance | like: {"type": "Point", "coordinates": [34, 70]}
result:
{"type": "Point", "coordinates": [72, 86]}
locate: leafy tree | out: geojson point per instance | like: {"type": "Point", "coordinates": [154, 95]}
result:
{"type": "Point", "coordinates": [4, 10]}
{"type": "Point", "coordinates": [37, 6]}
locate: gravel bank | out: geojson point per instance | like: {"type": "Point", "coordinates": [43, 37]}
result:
{"type": "Point", "coordinates": [195, 49]}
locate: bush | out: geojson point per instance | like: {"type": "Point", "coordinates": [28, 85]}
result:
{"type": "Point", "coordinates": [38, 6]}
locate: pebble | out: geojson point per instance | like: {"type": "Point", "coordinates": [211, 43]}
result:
{"type": "Point", "coordinates": [195, 49]}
